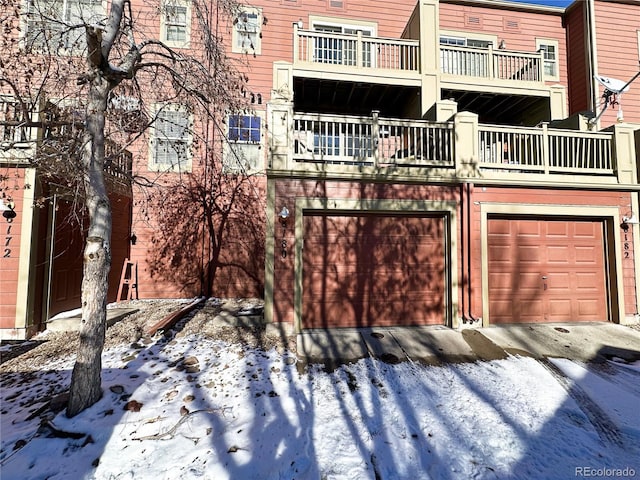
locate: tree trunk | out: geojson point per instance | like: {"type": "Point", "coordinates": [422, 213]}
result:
{"type": "Point", "coordinates": [86, 378]}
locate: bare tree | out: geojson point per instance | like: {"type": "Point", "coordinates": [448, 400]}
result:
{"type": "Point", "coordinates": [108, 56]}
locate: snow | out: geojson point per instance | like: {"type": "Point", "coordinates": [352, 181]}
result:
{"type": "Point", "coordinates": [253, 415]}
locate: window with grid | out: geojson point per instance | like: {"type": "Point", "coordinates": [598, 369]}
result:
{"type": "Point", "coordinates": [246, 32]}
{"type": "Point", "coordinates": [244, 148]}
{"type": "Point", "coordinates": [341, 51]}
{"type": "Point", "coordinates": [549, 50]}
{"type": "Point", "coordinates": [171, 140]}
{"type": "Point", "coordinates": [175, 21]}
{"type": "Point", "coordinates": [48, 24]}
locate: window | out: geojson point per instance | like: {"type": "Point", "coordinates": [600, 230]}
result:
{"type": "Point", "coordinates": [247, 33]}
{"type": "Point", "coordinates": [48, 24]}
{"type": "Point", "coordinates": [175, 27]}
{"type": "Point", "coordinates": [171, 139]}
{"type": "Point", "coordinates": [338, 48]}
{"type": "Point", "coordinates": [458, 61]}
{"type": "Point", "coordinates": [549, 48]}
{"type": "Point", "coordinates": [244, 150]}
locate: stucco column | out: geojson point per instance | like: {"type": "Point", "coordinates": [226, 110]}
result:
{"type": "Point", "coordinates": [429, 54]}
{"type": "Point", "coordinates": [280, 117]}
{"type": "Point", "coordinates": [465, 134]}
{"type": "Point", "coordinates": [26, 268]}
{"type": "Point", "coordinates": [558, 102]}
{"type": "Point", "coordinates": [625, 153]}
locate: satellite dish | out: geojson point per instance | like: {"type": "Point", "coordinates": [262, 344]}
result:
{"type": "Point", "coordinates": [613, 90]}
{"type": "Point", "coordinates": [613, 84]}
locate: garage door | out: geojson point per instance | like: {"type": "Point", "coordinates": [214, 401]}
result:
{"type": "Point", "coordinates": [546, 270]}
{"type": "Point", "coordinates": [372, 270]}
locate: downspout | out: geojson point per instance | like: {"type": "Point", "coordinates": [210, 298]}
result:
{"type": "Point", "coordinates": [592, 66]}
{"type": "Point", "coordinates": [472, 319]}
{"type": "Point", "coordinates": [467, 295]}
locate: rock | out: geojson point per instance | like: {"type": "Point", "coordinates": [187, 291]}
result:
{"type": "Point", "coordinates": [117, 389]}
{"type": "Point", "coordinates": [190, 361]}
{"type": "Point", "coordinates": [133, 406]}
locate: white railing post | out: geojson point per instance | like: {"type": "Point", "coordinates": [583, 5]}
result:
{"type": "Point", "coordinates": [359, 50]}
{"type": "Point", "coordinates": [540, 62]}
{"type": "Point", "coordinates": [466, 144]}
{"type": "Point", "coordinates": [546, 155]}
{"type": "Point", "coordinates": [375, 136]}
{"type": "Point", "coordinates": [296, 44]}
{"type": "Point", "coordinates": [625, 155]}
{"type": "Point", "coordinates": [491, 62]}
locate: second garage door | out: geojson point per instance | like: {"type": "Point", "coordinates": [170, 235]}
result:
{"type": "Point", "coordinates": [543, 270]}
{"type": "Point", "coordinates": [372, 270]}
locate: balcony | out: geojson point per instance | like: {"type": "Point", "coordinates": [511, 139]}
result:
{"type": "Point", "coordinates": [393, 149]}
{"type": "Point", "coordinates": [400, 58]}
{"type": "Point", "coordinates": [22, 140]}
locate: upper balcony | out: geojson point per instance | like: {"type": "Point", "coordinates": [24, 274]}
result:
{"type": "Point", "coordinates": [350, 56]}
{"type": "Point", "coordinates": [398, 60]}
{"type": "Point", "coordinates": [357, 73]}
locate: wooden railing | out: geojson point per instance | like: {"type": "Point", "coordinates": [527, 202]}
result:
{"type": "Point", "coordinates": [545, 150]}
{"type": "Point", "coordinates": [356, 50]}
{"type": "Point", "coordinates": [374, 144]}
{"type": "Point", "coordinates": [13, 130]}
{"type": "Point", "coordinates": [492, 64]}
{"type": "Point", "coordinates": [118, 163]}
{"type": "Point", "coordinates": [368, 141]}
{"type": "Point", "coordinates": [363, 51]}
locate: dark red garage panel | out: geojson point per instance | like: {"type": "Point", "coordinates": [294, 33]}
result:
{"type": "Point", "coordinates": [546, 270]}
{"type": "Point", "coordinates": [372, 270]}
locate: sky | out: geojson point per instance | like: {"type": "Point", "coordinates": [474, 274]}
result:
{"type": "Point", "coordinates": [195, 408]}
{"type": "Point", "coordinates": [552, 3]}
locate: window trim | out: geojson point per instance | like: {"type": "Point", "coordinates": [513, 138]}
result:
{"type": "Point", "coordinates": [556, 45]}
{"type": "Point", "coordinates": [257, 47]}
{"type": "Point", "coordinates": [185, 166]}
{"type": "Point", "coordinates": [315, 20]}
{"type": "Point", "coordinates": [65, 18]}
{"type": "Point", "coordinates": [229, 144]}
{"type": "Point", "coordinates": [164, 23]}
{"type": "Point", "coordinates": [483, 37]}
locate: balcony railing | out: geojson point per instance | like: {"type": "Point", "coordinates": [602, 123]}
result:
{"type": "Point", "coordinates": [546, 150]}
{"type": "Point", "coordinates": [492, 64]}
{"type": "Point", "coordinates": [356, 51]}
{"type": "Point", "coordinates": [351, 51]}
{"type": "Point", "coordinates": [118, 163]}
{"type": "Point", "coordinates": [14, 132]}
{"type": "Point", "coordinates": [448, 149]}
{"type": "Point", "coordinates": [369, 141]}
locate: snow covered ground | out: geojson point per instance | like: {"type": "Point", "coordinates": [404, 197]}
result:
{"type": "Point", "coordinates": [192, 407]}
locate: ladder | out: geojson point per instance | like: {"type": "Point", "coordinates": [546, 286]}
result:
{"type": "Point", "coordinates": [128, 278]}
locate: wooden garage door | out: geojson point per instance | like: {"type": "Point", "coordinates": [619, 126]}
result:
{"type": "Point", "coordinates": [372, 270]}
{"type": "Point", "coordinates": [546, 270]}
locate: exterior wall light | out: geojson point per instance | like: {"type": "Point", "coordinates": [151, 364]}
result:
{"type": "Point", "coordinates": [631, 220]}
{"type": "Point", "coordinates": [284, 217]}
{"type": "Point", "coordinates": [7, 210]}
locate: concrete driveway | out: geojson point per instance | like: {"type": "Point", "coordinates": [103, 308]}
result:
{"type": "Point", "coordinates": [587, 342]}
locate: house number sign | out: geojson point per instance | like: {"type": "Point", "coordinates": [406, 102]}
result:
{"type": "Point", "coordinates": [7, 239]}
{"type": "Point", "coordinates": [625, 245]}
